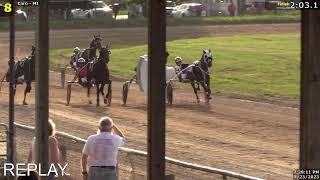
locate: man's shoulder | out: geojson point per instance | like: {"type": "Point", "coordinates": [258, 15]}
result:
{"type": "Point", "coordinates": [117, 137]}
{"type": "Point", "coordinates": [92, 137]}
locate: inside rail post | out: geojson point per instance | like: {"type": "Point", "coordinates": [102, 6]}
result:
{"type": "Point", "coordinates": [42, 87]}
{"type": "Point", "coordinates": [11, 143]}
{"type": "Point", "coordinates": [224, 177]}
{"type": "Point", "coordinates": [310, 88]}
{"type": "Point", "coordinates": [170, 177]}
{"type": "Point", "coordinates": [156, 89]}
{"type": "Point", "coordinates": [63, 77]}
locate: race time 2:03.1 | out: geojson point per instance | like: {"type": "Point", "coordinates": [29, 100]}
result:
{"type": "Point", "coordinates": [303, 5]}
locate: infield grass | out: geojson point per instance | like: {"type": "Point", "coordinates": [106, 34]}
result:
{"type": "Point", "coordinates": [257, 66]}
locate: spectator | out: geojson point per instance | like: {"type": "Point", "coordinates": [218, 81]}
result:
{"type": "Point", "coordinates": [32, 176]}
{"type": "Point", "coordinates": [53, 148]}
{"type": "Point", "coordinates": [100, 152]}
{"type": "Point", "coordinates": [115, 9]}
{"type": "Point", "coordinates": [232, 9]}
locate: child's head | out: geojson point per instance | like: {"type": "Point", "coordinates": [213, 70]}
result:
{"type": "Point", "coordinates": [51, 128]}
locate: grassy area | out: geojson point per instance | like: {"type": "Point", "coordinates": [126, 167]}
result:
{"type": "Point", "coordinates": [123, 12]}
{"type": "Point", "coordinates": [138, 22]}
{"type": "Point", "coordinates": [258, 66]}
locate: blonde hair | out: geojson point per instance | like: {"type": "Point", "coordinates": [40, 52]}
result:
{"type": "Point", "coordinates": [51, 127]}
{"type": "Point", "coordinates": [105, 124]}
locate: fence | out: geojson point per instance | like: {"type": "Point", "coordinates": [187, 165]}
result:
{"type": "Point", "coordinates": [3, 141]}
{"type": "Point", "coordinates": [132, 163]}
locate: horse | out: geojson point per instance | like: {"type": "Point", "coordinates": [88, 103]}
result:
{"type": "Point", "coordinates": [98, 74]}
{"type": "Point", "coordinates": [96, 70]}
{"type": "Point", "coordinates": [198, 73]}
{"type": "Point", "coordinates": [24, 72]}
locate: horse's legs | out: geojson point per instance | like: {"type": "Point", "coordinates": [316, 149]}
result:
{"type": "Point", "coordinates": [198, 86]}
{"type": "Point", "coordinates": [27, 90]}
{"type": "Point", "coordinates": [195, 91]}
{"type": "Point", "coordinates": [208, 86]}
{"type": "Point", "coordinates": [101, 89]}
{"type": "Point", "coordinates": [109, 89]}
{"type": "Point", "coordinates": [88, 93]}
{"type": "Point", "coordinates": [106, 98]}
{"type": "Point", "coordinates": [98, 94]}
{"type": "Point", "coordinates": [206, 89]}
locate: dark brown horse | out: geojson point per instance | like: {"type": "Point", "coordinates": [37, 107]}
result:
{"type": "Point", "coordinates": [97, 72]}
{"type": "Point", "coordinates": [24, 72]}
{"type": "Point", "coordinates": [99, 76]}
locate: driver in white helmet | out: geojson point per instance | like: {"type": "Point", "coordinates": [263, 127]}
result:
{"type": "Point", "coordinates": [82, 70]}
{"type": "Point", "coordinates": [75, 57]}
{"type": "Point", "coordinates": [178, 61]}
{"type": "Point", "coordinates": [178, 68]}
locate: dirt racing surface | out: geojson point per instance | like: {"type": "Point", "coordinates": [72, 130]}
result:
{"type": "Point", "coordinates": [247, 137]}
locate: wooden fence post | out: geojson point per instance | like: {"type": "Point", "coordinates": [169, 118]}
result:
{"type": "Point", "coordinates": [42, 87]}
{"type": "Point", "coordinates": [156, 89]}
{"type": "Point", "coordinates": [310, 91]}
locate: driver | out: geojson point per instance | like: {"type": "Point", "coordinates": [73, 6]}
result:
{"type": "Point", "coordinates": [178, 67]}
{"type": "Point", "coordinates": [75, 57]}
{"type": "Point", "coordinates": [178, 61]}
{"type": "Point", "coordinates": [82, 70]}
{"type": "Point", "coordinates": [184, 73]}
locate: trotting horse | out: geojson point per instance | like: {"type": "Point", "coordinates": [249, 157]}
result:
{"type": "Point", "coordinates": [97, 71]}
{"type": "Point", "coordinates": [200, 74]}
{"type": "Point", "coordinates": [99, 76]}
{"type": "Point", "coordinates": [197, 73]}
{"type": "Point", "coordinates": [24, 72]}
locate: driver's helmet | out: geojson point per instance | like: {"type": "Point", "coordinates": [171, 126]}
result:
{"type": "Point", "coordinates": [178, 60]}
{"type": "Point", "coordinates": [81, 61]}
{"type": "Point", "coordinates": [76, 50]}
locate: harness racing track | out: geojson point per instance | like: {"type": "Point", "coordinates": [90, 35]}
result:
{"type": "Point", "coordinates": [252, 138]}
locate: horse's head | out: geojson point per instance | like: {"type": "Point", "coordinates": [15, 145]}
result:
{"type": "Point", "coordinates": [96, 42]}
{"type": "Point", "coordinates": [104, 54]}
{"type": "Point", "coordinates": [207, 57]}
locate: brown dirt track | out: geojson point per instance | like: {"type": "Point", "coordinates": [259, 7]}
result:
{"type": "Point", "coordinates": [252, 138]}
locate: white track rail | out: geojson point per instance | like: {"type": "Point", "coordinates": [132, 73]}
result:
{"type": "Point", "coordinates": [207, 169]}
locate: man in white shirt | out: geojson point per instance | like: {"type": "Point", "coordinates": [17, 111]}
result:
{"type": "Point", "coordinates": [100, 152]}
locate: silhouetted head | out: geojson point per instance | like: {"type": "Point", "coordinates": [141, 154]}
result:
{"type": "Point", "coordinates": [96, 42]}
{"type": "Point", "coordinates": [104, 54]}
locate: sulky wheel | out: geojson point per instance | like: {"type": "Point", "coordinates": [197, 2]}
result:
{"type": "Point", "coordinates": [125, 90]}
{"type": "Point", "coordinates": [169, 93]}
{"type": "Point", "coordinates": [68, 94]}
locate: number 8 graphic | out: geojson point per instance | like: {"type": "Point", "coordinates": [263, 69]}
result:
{"type": "Point", "coordinates": [7, 7]}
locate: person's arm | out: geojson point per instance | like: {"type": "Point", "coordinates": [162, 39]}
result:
{"type": "Point", "coordinates": [84, 160]}
{"type": "Point", "coordinates": [117, 131]}
{"type": "Point", "coordinates": [54, 150]}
